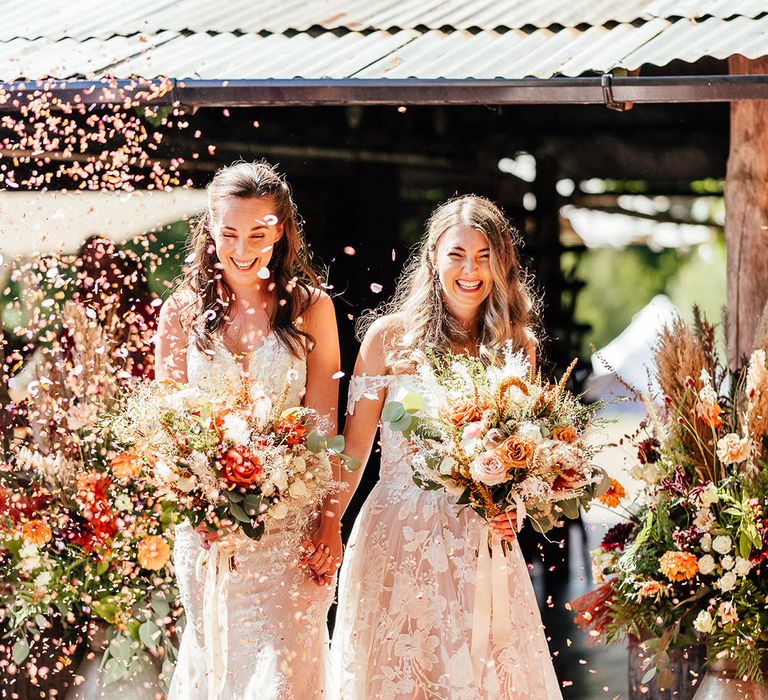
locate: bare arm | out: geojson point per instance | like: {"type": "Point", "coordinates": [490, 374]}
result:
{"type": "Point", "coordinates": [171, 343]}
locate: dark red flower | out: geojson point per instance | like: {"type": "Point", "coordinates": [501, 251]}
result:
{"type": "Point", "coordinates": [648, 451]}
{"type": "Point", "coordinates": [617, 536]}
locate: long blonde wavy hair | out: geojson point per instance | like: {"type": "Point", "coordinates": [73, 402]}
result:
{"type": "Point", "coordinates": [423, 318]}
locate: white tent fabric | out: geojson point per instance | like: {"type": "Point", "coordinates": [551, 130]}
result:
{"type": "Point", "coordinates": [630, 354]}
{"type": "Point", "coordinates": [43, 223]}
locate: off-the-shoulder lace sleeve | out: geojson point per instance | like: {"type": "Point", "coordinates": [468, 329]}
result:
{"type": "Point", "coordinates": [365, 387]}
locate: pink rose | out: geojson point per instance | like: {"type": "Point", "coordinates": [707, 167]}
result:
{"type": "Point", "coordinates": [472, 431]}
{"type": "Point", "coordinates": [488, 469]}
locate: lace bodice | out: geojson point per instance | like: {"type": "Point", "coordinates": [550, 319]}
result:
{"type": "Point", "coordinates": [271, 365]}
{"type": "Point", "coordinates": [395, 468]}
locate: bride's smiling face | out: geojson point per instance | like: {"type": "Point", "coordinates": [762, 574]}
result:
{"type": "Point", "coordinates": [245, 230]}
{"type": "Point", "coordinates": [463, 261]}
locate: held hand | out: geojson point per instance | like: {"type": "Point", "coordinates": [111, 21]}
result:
{"type": "Point", "coordinates": [207, 537]}
{"type": "Point", "coordinates": [504, 526]}
{"type": "Point", "coordinates": [323, 556]}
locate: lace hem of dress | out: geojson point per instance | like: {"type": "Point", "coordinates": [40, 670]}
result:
{"type": "Point", "coordinates": [366, 386]}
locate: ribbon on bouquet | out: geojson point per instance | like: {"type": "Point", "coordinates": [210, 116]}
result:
{"type": "Point", "coordinates": [218, 564]}
{"type": "Point", "coordinates": [492, 608]}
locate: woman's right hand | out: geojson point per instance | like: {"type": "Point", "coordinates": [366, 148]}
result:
{"type": "Point", "coordinates": [207, 537]}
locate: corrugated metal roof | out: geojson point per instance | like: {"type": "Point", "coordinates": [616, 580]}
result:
{"type": "Point", "coordinates": [428, 39]}
{"type": "Point", "coordinates": [82, 19]}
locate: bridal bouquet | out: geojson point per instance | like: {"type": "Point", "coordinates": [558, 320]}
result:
{"type": "Point", "coordinates": [690, 561]}
{"type": "Point", "coordinates": [499, 439]}
{"type": "Point", "coordinates": [241, 461]}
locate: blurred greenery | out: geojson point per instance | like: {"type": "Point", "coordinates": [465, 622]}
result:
{"type": "Point", "coordinates": [621, 281]}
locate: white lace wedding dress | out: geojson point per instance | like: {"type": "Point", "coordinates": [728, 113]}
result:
{"type": "Point", "coordinates": [406, 612]}
{"type": "Point", "coordinates": [256, 623]}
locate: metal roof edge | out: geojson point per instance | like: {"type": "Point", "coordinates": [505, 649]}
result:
{"type": "Point", "coordinates": [606, 90]}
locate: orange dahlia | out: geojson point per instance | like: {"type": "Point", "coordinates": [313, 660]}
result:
{"type": "Point", "coordinates": [126, 465]}
{"type": "Point", "coordinates": [679, 566]}
{"type": "Point", "coordinates": [36, 532]}
{"type": "Point", "coordinates": [154, 552]}
{"type": "Point", "coordinates": [612, 497]}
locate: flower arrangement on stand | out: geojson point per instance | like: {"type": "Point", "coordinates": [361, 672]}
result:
{"type": "Point", "coordinates": [84, 539]}
{"type": "Point", "coordinates": [689, 563]}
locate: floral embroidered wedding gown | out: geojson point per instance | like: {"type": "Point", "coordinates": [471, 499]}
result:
{"type": "Point", "coordinates": [256, 623]}
{"type": "Point", "coordinates": [407, 594]}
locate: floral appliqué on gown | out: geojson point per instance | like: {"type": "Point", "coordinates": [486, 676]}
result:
{"type": "Point", "coordinates": [271, 635]}
{"type": "Point", "coordinates": [407, 589]}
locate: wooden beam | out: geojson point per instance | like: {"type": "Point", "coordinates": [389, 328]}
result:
{"type": "Point", "coordinates": [746, 220]}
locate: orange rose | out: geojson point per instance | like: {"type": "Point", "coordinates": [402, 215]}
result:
{"type": "Point", "coordinates": [612, 497]}
{"type": "Point", "coordinates": [565, 434]}
{"type": "Point", "coordinates": [463, 411]}
{"type": "Point", "coordinates": [515, 452]}
{"type": "Point", "coordinates": [154, 553]}
{"type": "Point", "coordinates": [36, 532]}
{"type": "Point", "coordinates": [240, 467]}
{"type": "Point", "coordinates": [679, 566]}
{"type": "Point", "coordinates": [126, 465]}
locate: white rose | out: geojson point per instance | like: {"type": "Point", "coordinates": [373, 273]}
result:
{"type": "Point", "coordinates": [706, 564]}
{"type": "Point", "coordinates": [43, 579]}
{"type": "Point", "coordinates": [704, 623]}
{"type": "Point", "coordinates": [280, 479]}
{"type": "Point", "coordinates": [722, 544]}
{"type": "Point", "coordinates": [236, 429]}
{"type": "Point", "coordinates": [298, 489]}
{"type": "Point", "coordinates": [278, 510]}
{"type": "Point", "coordinates": [727, 612]}
{"type": "Point", "coordinates": [267, 488]}
{"type": "Point", "coordinates": [488, 469]}
{"type": "Point", "coordinates": [742, 567]}
{"type": "Point", "coordinates": [727, 562]}
{"type": "Point", "coordinates": [299, 465]}
{"type": "Point", "coordinates": [447, 465]}
{"type": "Point", "coordinates": [727, 582]}
{"type": "Point", "coordinates": [709, 495]}
{"type": "Point", "coordinates": [123, 503]}
{"type": "Point", "coordinates": [706, 543]}
{"type": "Point", "coordinates": [530, 431]}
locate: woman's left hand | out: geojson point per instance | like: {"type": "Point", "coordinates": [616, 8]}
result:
{"type": "Point", "coordinates": [504, 526]}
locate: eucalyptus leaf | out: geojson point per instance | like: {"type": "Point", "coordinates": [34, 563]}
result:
{"type": "Point", "coordinates": [114, 670]}
{"type": "Point", "coordinates": [234, 496]}
{"type": "Point", "coordinates": [149, 634]}
{"type": "Point", "coordinates": [570, 508]}
{"type": "Point", "coordinates": [350, 463]}
{"type": "Point", "coordinates": [335, 444]}
{"type": "Point", "coordinates": [392, 412]}
{"type": "Point", "coordinates": [413, 403]}
{"type": "Point", "coordinates": [120, 648]}
{"type": "Point", "coordinates": [160, 606]}
{"type": "Point", "coordinates": [403, 423]}
{"type": "Point", "coordinates": [315, 442]}
{"type": "Point", "coordinates": [20, 651]}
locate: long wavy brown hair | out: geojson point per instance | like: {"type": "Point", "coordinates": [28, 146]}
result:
{"type": "Point", "coordinates": [508, 313]}
{"type": "Point", "coordinates": [290, 267]}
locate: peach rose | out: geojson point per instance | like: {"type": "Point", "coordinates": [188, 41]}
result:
{"type": "Point", "coordinates": [154, 553]}
{"type": "Point", "coordinates": [36, 532]}
{"type": "Point", "coordinates": [240, 467]}
{"type": "Point", "coordinates": [464, 411]}
{"type": "Point", "coordinates": [732, 448]}
{"type": "Point", "coordinates": [126, 465]}
{"type": "Point", "coordinates": [679, 566]}
{"type": "Point", "coordinates": [515, 452]}
{"type": "Point", "coordinates": [565, 434]}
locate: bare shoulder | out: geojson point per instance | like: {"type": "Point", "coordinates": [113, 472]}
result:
{"type": "Point", "coordinates": [382, 335]}
{"type": "Point", "coordinates": [319, 301]}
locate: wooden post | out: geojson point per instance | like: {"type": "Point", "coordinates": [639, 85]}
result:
{"type": "Point", "coordinates": [746, 218]}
